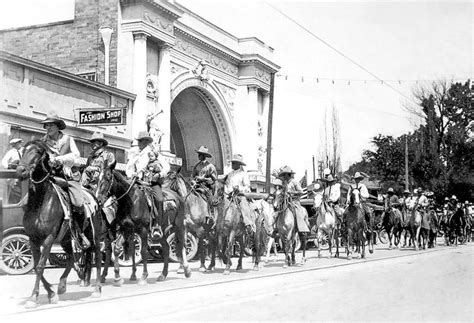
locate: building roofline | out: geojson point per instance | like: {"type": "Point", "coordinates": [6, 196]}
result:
{"type": "Point", "coordinates": [60, 22]}
{"type": "Point", "coordinates": [5, 56]}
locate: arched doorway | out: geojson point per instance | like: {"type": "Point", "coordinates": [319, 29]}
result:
{"type": "Point", "coordinates": [193, 125]}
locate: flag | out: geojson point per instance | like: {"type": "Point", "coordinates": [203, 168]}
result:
{"type": "Point", "coordinates": [304, 180]}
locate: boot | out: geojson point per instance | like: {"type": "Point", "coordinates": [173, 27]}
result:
{"type": "Point", "coordinates": [156, 230]}
{"type": "Point", "coordinates": [85, 242]}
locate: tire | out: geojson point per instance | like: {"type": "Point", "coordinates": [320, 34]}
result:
{"type": "Point", "coordinates": [16, 257]}
{"type": "Point", "coordinates": [127, 261]}
{"type": "Point", "coordinates": [383, 236]}
{"type": "Point", "coordinates": [191, 247]}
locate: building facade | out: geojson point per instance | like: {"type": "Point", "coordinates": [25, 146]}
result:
{"type": "Point", "coordinates": [193, 83]}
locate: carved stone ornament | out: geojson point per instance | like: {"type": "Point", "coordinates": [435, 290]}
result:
{"type": "Point", "coordinates": [262, 75]}
{"type": "Point", "coordinates": [228, 93]}
{"type": "Point", "coordinates": [201, 71]}
{"type": "Point", "coordinates": [151, 86]}
{"type": "Point", "coordinates": [158, 22]}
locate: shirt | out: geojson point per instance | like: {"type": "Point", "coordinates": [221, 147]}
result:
{"type": "Point", "coordinates": [364, 193]}
{"type": "Point", "coordinates": [137, 164]}
{"type": "Point", "coordinates": [95, 164]}
{"type": "Point", "coordinates": [12, 156]}
{"type": "Point", "coordinates": [63, 149]}
{"type": "Point", "coordinates": [332, 193]}
{"type": "Point", "coordinates": [207, 170]}
{"type": "Point", "coordinates": [419, 200]}
{"type": "Point", "coordinates": [238, 178]}
{"type": "Point", "coordinates": [393, 201]}
{"type": "Point", "coordinates": [293, 187]}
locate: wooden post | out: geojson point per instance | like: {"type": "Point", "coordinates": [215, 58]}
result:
{"type": "Point", "coordinates": [314, 171]}
{"type": "Point", "coordinates": [269, 135]}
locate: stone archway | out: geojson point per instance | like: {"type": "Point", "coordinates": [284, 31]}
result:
{"type": "Point", "coordinates": [196, 119]}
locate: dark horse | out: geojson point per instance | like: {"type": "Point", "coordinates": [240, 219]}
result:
{"type": "Point", "coordinates": [356, 226]}
{"type": "Point", "coordinates": [392, 223]}
{"type": "Point", "coordinates": [134, 216]}
{"type": "Point", "coordinates": [456, 225]}
{"type": "Point", "coordinates": [43, 221]}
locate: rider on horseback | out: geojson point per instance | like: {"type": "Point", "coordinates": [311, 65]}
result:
{"type": "Point", "coordinates": [138, 167]}
{"type": "Point", "coordinates": [239, 181]}
{"type": "Point", "coordinates": [364, 194]}
{"type": "Point", "coordinates": [96, 160]}
{"type": "Point", "coordinates": [205, 175]}
{"type": "Point", "coordinates": [63, 153]}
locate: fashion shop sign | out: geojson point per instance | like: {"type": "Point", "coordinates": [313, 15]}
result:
{"type": "Point", "coordinates": [104, 117]}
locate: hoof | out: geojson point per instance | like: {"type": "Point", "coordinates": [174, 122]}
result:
{"type": "Point", "coordinates": [118, 281]}
{"type": "Point", "coordinates": [349, 257]}
{"type": "Point", "coordinates": [187, 272]}
{"type": "Point", "coordinates": [142, 282]}
{"type": "Point", "coordinates": [303, 261]}
{"type": "Point", "coordinates": [102, 280]}
{"type": "Point", "coordinates": [266, 260]}
{"type": "Point", "coordinates": [371, 251]}
{"type": "Point", "coordinates": [210, 268]}
{"type": "Point", "coordinates": [329, 256]}
{"type": "Point", "coordinates": [180, 270]}
{"type": "Point", "coordinates": [227, 272]}
{"type": "Point", "coordinates": [54, 299]}
{"type": "Point", "coordinates": [238, 268]}
{"type": "Point", "coordinates": [202, 269]}
{"type": "Point", "coordinates": [31, 304]}
{"type": "Point", "coordinates": [256, 268]}
{"type": "Point", "coordinates": [362, 256]}
{"type": "Point", "coordinates": [161, 278]}
{"type": "Point", "coordinates": [61, 288]}
{"type": "Point", "coordinates": [319, 255]}
{"type": "Point", "coordinates": [84, 284]}
{"type": "Point", "coordinates": [336, 255]}
{"type": "Point", "coordinates": [96, 294]}
{"type": "Point", "coordinates": [133, 278]}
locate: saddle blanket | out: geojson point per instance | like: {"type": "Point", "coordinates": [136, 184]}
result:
{"type": "Point", "coordinates": [301, 218]}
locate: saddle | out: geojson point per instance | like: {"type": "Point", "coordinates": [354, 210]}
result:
{"type": "Point", "coordinates": [150, 197]}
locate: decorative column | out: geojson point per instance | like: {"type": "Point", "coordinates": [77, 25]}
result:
{"type": "Point", "coordinates": [247, 129]}
{"type": "Point", "coordinates": [164, 101]}
{"type": "Point", "coordinates": [139, 83]}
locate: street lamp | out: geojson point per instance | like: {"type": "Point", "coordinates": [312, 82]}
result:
{"type": "Point", "coordinates": [106, 33]}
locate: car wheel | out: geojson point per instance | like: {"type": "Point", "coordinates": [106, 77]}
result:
{"type": "Point", "coordinates": [191, 246]}
{"type": "Point", "coordinates": [126, 260]}
{"type": "Point", "coordinates": [16, 257]}
{"type": "Point", "coordinates": [383, 236]}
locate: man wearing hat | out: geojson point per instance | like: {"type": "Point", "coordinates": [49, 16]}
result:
{"type": "Point", "coordinates": [364, 194]}
{"type": "Point", "coordinates": [293, 187]}
{"type": "Point", "coordinates": [96, 160]}
{"type": "Point", "coordinates": [12, 157]}
{"type": "Point", "coordinates": [137, 166]}
{"type": "Point", "coordinates": [63, 153]}
{"type": "Point", "coordinates": [332, 191]}
{"type": "Point", "coordinates": [204, 172]}
{"type": "Point", "coordinates": [238, 180]}
{"type": "Point", "coordinates": [393, 200]}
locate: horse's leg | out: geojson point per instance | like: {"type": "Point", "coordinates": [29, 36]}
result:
{"type": "Point", "coordinates": [349, 244]}
{"type": "Point", "coordinates": [181, 248]}
{"type": "Point", "coordinates": [228, 251]}
{"type": "Point", "coordinates": [303, 245]}
{"type": "Point", "coordinates": [330, 237]}
{"type": "Point", "coordinates": [202, 253]}
{"type": "Point", "coordinates": [362, 242]}
{"type": "Point", "coordinates": [417, 237]}
{"type": "Point", "coordinates": [66, 245]}
{"type": "Point", "coordinates": [130, 248]}
{"type": "Point", "coordinates": [242, 247]}
{"type": "Point", "coordinates": [269, 248]}
{"type": "Point", "coordinates": [319, 238]}
{"type": "Point", "coordinates": [144, 253]}
{"type": "Point", "coordinates": [166, 259]}
{"type": "Point", "coordinates": [212, 250]}
{"type": "Point", "coordinates": [108, 257]}
{"type": "Point", "coordinates": [293, 249]}
{"type": "Point", "coordinates": [98, 257]}
{"type": "Point", "coordinates": [257, 244]}
{"type": "Point", "coordinates": [118, 281]}
{"type": "Point", "coordinates": [336, 241]}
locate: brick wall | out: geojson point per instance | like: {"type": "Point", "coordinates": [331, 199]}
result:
{"type": "Point", "coordinates": [73, 46]}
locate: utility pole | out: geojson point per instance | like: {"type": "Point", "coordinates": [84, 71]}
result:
{"type": "Point", "coordinates": [314, 171]}
{"type": "Point", "coordinates": [407, 186]}
{"type": "Point", "coordinates": [269, 135]}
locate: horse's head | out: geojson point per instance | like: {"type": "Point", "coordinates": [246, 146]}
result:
{"type": "Point", "coordinates": [176, 182]}
{"type": "Point", "coordinates": [354, 197]}
{"type": "Point", "coordinates": [104, 185]}
{"type": "Point", "coordinates": [35, 159]}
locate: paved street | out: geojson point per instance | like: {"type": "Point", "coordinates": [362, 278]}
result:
{"type": "Point", "coordinates": [435, 284]}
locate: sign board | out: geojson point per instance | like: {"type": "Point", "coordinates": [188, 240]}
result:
{"type": "Point", "coordinates": [103, 117]}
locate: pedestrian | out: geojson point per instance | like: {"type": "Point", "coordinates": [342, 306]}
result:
{"type": "Point", "coordinates": [13, 155]}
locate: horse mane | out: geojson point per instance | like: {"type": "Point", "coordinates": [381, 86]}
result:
{"type": "Point", "coordinates": [38, 142]}
{"type": "Point", "coordinates": [176, 183]}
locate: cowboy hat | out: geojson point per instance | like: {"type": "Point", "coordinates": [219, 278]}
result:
{"type": "Point", "coordinates": [390, 190]}
{"type": "Point", "coordinates": [98, 136]}
{"type": "Point", "coordinates": [357, 175]}
{"type": "Point", "coordinates": [54, 118]}
{"type": "Point", "coordinates": [204, 150]}
{"type": "Point", "coordinates": [286, 170]}
{"type": "Point", "coordinates": [454, 197]}
{"type": "Point", "coordinates": [144, 135]}
{"type": "Point", "coordinates": [237, 158]}
{"type": "Point", "coordinates": [329, 179]}
{"type": "Point", "coordinates": [406, 192]}
{"type": "Point", "coordinates": [15, 140]}
{"type": "Point", "coordinates": [278, 182]}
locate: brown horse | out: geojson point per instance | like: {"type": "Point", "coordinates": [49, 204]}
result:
{"type": "Point", "coordinates": [286, 227]}
{"type": "Point", "coordinates": [355, 224]}
{"type": "Point", "coordinates": [415, 228]}
{"type": "Point", "coordinates": [44, 222]}
{"type": "Point", "coordinates": [392, 223]}
{"type": "Point", "coordinates": [134, 216]}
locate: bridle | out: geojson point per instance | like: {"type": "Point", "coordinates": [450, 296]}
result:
{"type": "Point", "coordinates": [112, 180]}
{"type": "Point", "coordinates": [30, 169]}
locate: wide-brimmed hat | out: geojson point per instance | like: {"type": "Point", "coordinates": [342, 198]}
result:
{"type": "Point", "coordinates": [419, 190]}
{"type": "Point", "coordinates": [390, 190]}
{"type": "Point", "coordinates": [454, 197]}
{"type": "Point", "coordinates": [286, 170]}
{"type": "Point", "coordinates": [238, 158]}
{"type": "Point", "coordinates": [54, 118]}
{"type": "Point", "coordinates": [144, 135]}
{"type": "Point", "coordinates": [406, 192]}
{"type": "Point", "coordinates": [99, 136]}
{"type": "Point", "coordinates": [357, 175]}
{"type": "Point", "coordinates": [15, 140]}
{"type": "Point", "coordinates": [204, 150]}
{"type": "Point", "coordinates": [277, 182]}
{"type": "Point", "coordinates": [329, 179]}
{"type": "Point", "coordinates": [446, 198]}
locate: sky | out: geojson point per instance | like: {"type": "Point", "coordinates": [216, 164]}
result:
{"type": "Point", "coordinates": [405, 43]}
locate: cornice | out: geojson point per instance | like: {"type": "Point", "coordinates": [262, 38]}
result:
{"type": "Point", "coordinates": [166, 7]}
{"type": "Point", "coordinates": [5, 56]}
{"type": "Point", "coordinates": [138, 25]}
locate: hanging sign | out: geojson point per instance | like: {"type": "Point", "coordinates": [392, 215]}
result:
{"type": "Point", "coordinates": [103, 117]}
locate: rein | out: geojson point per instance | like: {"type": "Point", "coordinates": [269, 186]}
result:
{"type": "Point", "coordinates": [30, 169]}
{"type": "Point", "coordinates": [134, 180]}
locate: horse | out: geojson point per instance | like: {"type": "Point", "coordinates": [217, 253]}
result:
{"type": "Point", "coordinates": [356, 225]}
{"type": "Point", "coordinates": [44, 221]}
{"type": "Point", "coordinates": [392, 223]}
{"type": "Point", "coordinates": [415, 228]}
{"type": "Point", "coordinates": [287, 228]}
{"type": "Point", "coordinates": [405, 227]}
{"type": "Point", "coordinates": [263, 229]}
{"type": "Point", "coordinates": [134, 216]}
{"type": "Point", "coordinates": [325, 223]}
{"type": "Point", "coordinates": [456, 225]}
{"type": "Point", "coordinates": [432, 233]}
